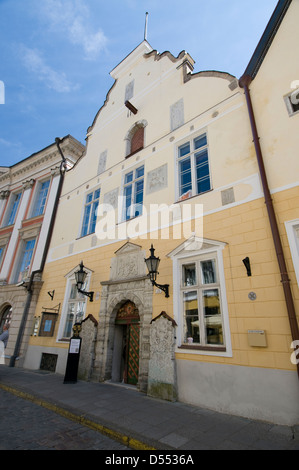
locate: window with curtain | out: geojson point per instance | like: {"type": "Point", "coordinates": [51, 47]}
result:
{"type": "Point", "coordinates": [201, 302]}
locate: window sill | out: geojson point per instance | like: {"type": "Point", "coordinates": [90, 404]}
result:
{"type": "Point", "coordinates": [194, 347]}
{"type": "Point", "coordinates": [133, 153]}
{"type": "Point", "coordinates": [84, 236]}
{"type": "Point", "coordinates": [192, 197]}
{"type": "Point", "coordinates": [64, 340]}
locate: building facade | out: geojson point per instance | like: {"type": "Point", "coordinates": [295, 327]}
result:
{"type": "Point", "coordinates": [29, 193]}
{"type": "Point", "coordinates": [173, 163]}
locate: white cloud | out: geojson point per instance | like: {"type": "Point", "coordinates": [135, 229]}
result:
{"type": "Point", "coordinates": [35, 63]}
{"type": "Point", "coordinates": [72, 17]}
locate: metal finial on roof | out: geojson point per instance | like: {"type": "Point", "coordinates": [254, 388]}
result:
{"type": "Point", "coordinates": [145, 28]}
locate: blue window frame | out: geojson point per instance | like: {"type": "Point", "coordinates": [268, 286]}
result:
{"type": "Point", "coordinates": [40, 202]}
{"type": "Point", "coordinates": [90, 213]}
{"type": "Point", "coordinates": [133, 193]}
{"type": "Point", "coordinates": [13, 208]}
{"type": "Point", "coordinates": [193, 165]}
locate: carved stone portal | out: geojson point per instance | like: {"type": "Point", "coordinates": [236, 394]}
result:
{"type": "Point", "coordinates": [128, 282]}
{"type": "Point", "coordinates": [162, 369]}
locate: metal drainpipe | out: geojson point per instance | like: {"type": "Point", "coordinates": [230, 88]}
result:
{"type": "Point", "coordinates": [244, 83]}
{"type": "Point", "coordinates": [29, 287]}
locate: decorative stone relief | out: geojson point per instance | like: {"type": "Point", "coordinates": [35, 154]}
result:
{"type": "Point", "coordinates": [111, 198]}
{"type": "Point", "coordinates": [102, 162]}
{"type": "Point", "coordinates": [128, 263]}
{"type": "Point", "coordinates": [28, 184]}
{"type": "Point", "coordinates": [87, 354]}
{"type": "Point", "coordinates": [162, 369]}
{"type": "Point", "coordinates": [227, 196]}
{"type": "Point", "coordinates": [4, 194]}
{"type": "Point", "coordinates": [157, 179]}
{"type": "Point", "coordinates": [177, 114]}
{"type": "Point", "coordinates": [129, 91]}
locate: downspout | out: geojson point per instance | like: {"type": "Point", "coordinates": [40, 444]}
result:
{"type": "Point", "coordinates": [244, 83]}
{"type": "Point", "coordinates": [29, 289]}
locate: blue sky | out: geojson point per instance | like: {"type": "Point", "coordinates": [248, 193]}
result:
{"type": "Point", "coordinates": [56, 55]}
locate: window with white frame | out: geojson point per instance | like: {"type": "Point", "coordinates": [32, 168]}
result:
{"type": "Point", "coordinates": [199, 295]}
{"type": "Point", "coordinates": [193, 167]}
{"type": "Point", "coordinates": [90, 212]}
{"type": "Point", "coordinates": [292, 229]}
{"type": "Point", "coordinates": [201, 302]}
{"type": "Point", "coordinates": [74, 306]}
{"type": "Point", "coordinates": [24, 260]}
{"type": "Point", "coordinates": [41, 198]}
{"type": "Point", "coordinates": [133, 193]}
{"type": "Point", "coordinates": [75, 310]}
{"type": "Point", "coordinates": [12, 208]}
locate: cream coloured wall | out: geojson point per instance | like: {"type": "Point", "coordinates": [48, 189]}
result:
{"type": "Point", "coordinates": [278, 132]}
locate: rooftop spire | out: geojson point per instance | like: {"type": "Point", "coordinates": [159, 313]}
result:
{"type": "Point", "coordinates": [145, 27]}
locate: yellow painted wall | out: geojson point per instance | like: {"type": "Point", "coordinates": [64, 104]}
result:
{"type": "Point", "coordinates": [247, 233]}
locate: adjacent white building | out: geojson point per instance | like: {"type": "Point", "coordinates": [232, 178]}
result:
{"type": "Point", "coordinates": [29, 193]}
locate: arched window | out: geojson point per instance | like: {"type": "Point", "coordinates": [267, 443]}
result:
{"type": "Point", "coordinates": [137, 141]}
{"type": "Point", "coordinates": [5, 317]}
{"type": "Point", "coordinates": [135, 138]}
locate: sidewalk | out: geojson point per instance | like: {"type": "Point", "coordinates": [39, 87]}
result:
{"type": "Point", "coordinates": [145, 423]}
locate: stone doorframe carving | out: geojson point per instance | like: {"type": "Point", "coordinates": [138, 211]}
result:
{"type": "Point", "coordinates": [128, 281]}
{"type": "Point", "coordinates": [114, 294]}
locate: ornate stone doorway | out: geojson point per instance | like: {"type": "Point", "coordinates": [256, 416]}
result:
{"type": "Point", "coordinates": [124, 320]}
{"type": "Point", "coordinates": [125, 365]}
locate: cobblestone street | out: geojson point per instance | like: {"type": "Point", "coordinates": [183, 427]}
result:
{"type": "Point", "coordinates": [27, 426]}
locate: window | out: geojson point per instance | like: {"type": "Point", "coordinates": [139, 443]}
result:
{"type": "Point", "coordinates": [2, 249]}
{"type": "Point", "coordinates": [5, 318]}
{"type": "Point", "coordinates": [90, 213]}
{"type": "Point", "coordinates": [137, 140]}
{"type": "Point", "coordinates": [199, 297]}
{"type": "Point", "coordinates": [13, 207]}
{"type": "Point", "coordinates": [74, 306]}
{"type": "Point", "coordinates": [201, 303]}
{"type": "Point", "coordinates": [292, 229]}
{"type": "Point", "coordinates": [25, 260]}
{"type": "Point", "coordinates": [193, 168]}
{"type": "Point", "coordinates": [75, 310]}
{"type": "Point", "coordinates": [41, 199]}
{"type": "Point", "coordinates": [133, 193]}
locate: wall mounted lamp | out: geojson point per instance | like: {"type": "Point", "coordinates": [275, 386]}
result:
{"type": "Point", "coordinates": [246, 262]}
{"type": "Point", "coordinates": [80, 279]}
{"type": "Point", "coordinates": [152, 263]}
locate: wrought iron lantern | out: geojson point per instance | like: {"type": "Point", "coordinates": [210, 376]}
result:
{"type": "Point", "coordinates": [152, 263]}
{"type": "Point", "coordinates": [80, 279]}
